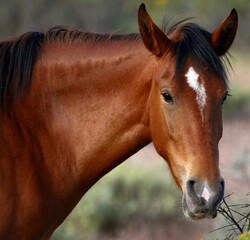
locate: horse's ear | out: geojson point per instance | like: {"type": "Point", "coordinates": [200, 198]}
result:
{"type": "Point", "coordinates": [223, 37]}
{"type": "Point", "coordinates": [153, 37]}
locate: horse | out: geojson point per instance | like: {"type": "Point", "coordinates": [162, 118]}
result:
{"type": "Point", "coordinates": [74, 105]}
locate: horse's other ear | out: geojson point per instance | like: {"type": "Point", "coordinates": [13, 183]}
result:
{"type": "Point", "coordinates": [153, 37]}
{"type": "Point", "coordinates": [223, 37]}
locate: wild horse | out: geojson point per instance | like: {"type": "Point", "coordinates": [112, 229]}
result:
{"type": "Point", "coordinates": [74, 105]}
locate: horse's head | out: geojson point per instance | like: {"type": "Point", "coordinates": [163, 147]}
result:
{"type": "Point", "coordinates": [188, 90]}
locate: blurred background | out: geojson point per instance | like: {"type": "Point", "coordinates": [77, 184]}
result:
{"type": "Point", "coordinates": [139, 200]}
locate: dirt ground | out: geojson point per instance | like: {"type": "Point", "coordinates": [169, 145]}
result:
{"type": "Point", "coordinates": [160, 231]}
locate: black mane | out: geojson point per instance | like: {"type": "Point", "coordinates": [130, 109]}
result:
{"type": "Point", "coordinates": [64, 34]}
{"type": "Point", "coordinates": [194, 42]}
{"type": "Point", "coordinates": [17, 56]}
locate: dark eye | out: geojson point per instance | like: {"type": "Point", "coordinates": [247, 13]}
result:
{"type": "Point", "coordinates": [225, 98]}
{"type": "Point", "coordinates": [167, 97]}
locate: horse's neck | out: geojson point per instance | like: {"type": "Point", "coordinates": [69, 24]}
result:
{"type": "Point", "coordinates": [83, 116]}
{"type": "Point", "coordinates": [98, 113]}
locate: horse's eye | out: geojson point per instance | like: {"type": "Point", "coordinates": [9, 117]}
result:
{"type": "Point", "coordinates": [225, 98]}
{"type": "Point", "coordinates": [167, 97]}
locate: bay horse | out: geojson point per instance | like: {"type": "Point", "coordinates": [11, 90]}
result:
{"type": "Point", "coordinates": [75, 105]}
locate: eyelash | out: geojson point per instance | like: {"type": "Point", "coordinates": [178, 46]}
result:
{"type": "Point", "coordinates": [225, 97]}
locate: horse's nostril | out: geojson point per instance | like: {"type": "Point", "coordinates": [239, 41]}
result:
{"type": "Point", "coordinates": [191, 182]}
{"type": "Point", "coordinates": [222, 183]}
{"type": "Point", "coordinates": [192, 186]}
{"type": "Point", "coordinates": [220, 194]}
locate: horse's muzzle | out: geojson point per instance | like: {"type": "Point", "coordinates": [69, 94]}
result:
{"type": "Point", "coordinates": [200, 201]}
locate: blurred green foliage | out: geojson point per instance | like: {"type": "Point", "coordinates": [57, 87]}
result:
{"type": "Point", "coordinates": [128, 193]}
{"type": "Point", "coordinates": [237, 105]}
{"type": "Point", "coordinates": [17, 16]}
{"type": "Point", "coordinates": [245, 236]}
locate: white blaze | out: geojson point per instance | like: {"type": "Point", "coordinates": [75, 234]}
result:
{"type": "Point", "coordinates": [206, 194]}
{"type": "Point", "coordinates": [193, 82]}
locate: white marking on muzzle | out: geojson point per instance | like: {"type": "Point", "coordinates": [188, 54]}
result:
{"type": "Point", "coordinates": [193, 82]}
{"type": "Point", "coordinates": [206, 194]}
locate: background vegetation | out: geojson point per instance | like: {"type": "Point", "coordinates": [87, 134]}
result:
{"type": "Point", "coordinates": [129, 194]}
{"type": "Point", "coordinates": [140, 195]}
{"type": "Point", "coordinates": [18, 16]}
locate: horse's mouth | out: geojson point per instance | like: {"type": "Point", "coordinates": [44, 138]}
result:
{"type": "Point", "coordinates": [197, 212]}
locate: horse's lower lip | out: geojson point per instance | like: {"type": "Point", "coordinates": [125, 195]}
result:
{"type": "Point", "coordinates": [198, 213]}
{"type": "Point", "coordinates": [190, 215]}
